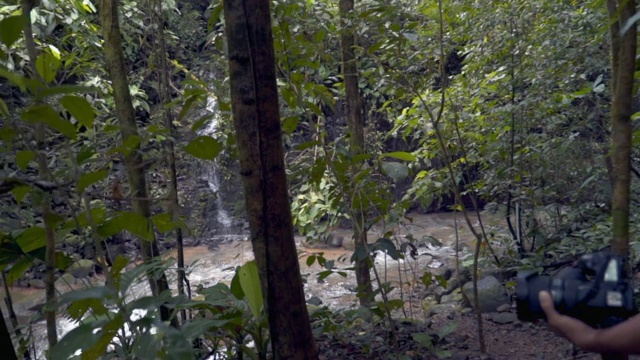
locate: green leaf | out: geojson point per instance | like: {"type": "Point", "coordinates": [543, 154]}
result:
{"type": "Point", "coordinates": [65, 89]}
{"type": "Point", "coordinates": [19, 268]}
{"type": "Point", "coordinates": [236, 288]}
{"type": "Point", "coordinates": [88, 179]}
{"type": "Point", "coordinates": [32, 238]}
{"type": "Point", "coordinates": [388, 246]}
{"type": "Point", "coordinates": [17, 80]}
{"type": "Point", "coordinates": [20, 191]}
{"type": "Point", "coordinates": [24, 157]}
{"type": "Point", "coordinates": [11, 29]}
{"type": "Point", "coordinates": [129, 221]}
{"type": "Point", "coordinates": [62, 261]}
{"type": "Point", "coordinates": [80, 108]}
{"type": "Point", "coordinates": [4, 109]}
{"type": "Point", "coordinates": [163, 222]}
{"type": "Point", "coordinates": [118, 264]}
{"type": "Point", "coordinates": [250, 282]}
{"type": "Point", "coordinates": [204, 147]}
{"type": "Point", "coordinates": [396, 171]}
{"type": "Point", "coordinates": [427, 279]}
{"type": "Point", "coordinates": [401, 155]}
{"type": "Point", "coordinates": [46, 114]}
{"type": "Point", "coordinates": [78, 308]}
{"type": "Point", "coordinates": [290, 124]}
{"type": "Point", "coordinates": [47, 66]}
{"type": "Point", "coordinates": [310, 260]}
{"type": "Point", "coordinates": [76, 339]}
{"type": "Point", "coordinates": [187, 106]}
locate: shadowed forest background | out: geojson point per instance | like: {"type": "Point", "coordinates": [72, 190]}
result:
{"type": "Point", "coordinates": [306, 179]}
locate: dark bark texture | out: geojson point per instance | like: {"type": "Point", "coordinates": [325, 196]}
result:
{"type": "Point", "coordinates": [356, 136]}
{"type": "Point", "coordinates": [623, 55]}
{"type": "Point", "coordinates": [259, 137]}
{"type": "Point", "coordinates": [129, 129]}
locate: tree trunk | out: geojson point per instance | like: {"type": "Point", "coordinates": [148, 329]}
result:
{"type": "Point", "coordinates": [5, 340]}
{"type": "Point", "coordinates": [254, 101]}
{"type": "Point", "coordinates": [43, 172]}
{"type": "Point", "coordinates": [623, 55]}
{"type": "Point", "coordinates": [356, 136]}
{"type": "Point", "coordinates": [173, 206]}
{"type": "Point", "coordinates": [128, 129]}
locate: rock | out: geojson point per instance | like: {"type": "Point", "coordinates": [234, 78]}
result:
{"type": "Point", "coordinates": [491, 294]}
{"type": "Point", "coordinates": [37, 283]}
{"type": "Point", "coordinates": [81, 268]}
{"type": "Point", "coordinates": [503, 308]}
{"type": "Point", "coordinates": [449, 298]}
{"type": "Point", "coordinates": [442, 309]}
{"type": "Point", "coordinates": [348, 243]}
{"type": "Point", "coordinates": [314, 300]}
{"type": "Point", "coordinates": [65, 281]}
{"type": "Point", "coordinates": [504, 318]}
{"type": "Point", "coordinates": [335, 241]}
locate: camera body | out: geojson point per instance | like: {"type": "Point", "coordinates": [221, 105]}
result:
{"type": "Point", "coordinates": [598, 292]}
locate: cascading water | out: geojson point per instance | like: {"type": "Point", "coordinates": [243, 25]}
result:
{"type": "Point", "coordinates": [213, 172]}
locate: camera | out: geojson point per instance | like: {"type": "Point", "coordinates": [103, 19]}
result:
{"type": "Point", "coordinates": [598, 291]}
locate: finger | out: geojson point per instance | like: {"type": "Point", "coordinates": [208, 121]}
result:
{"type": "Point", "coordinates": [546, 303]}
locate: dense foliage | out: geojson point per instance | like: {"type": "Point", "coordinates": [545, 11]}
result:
{"type": "Point", "coordinates": [511, 100]}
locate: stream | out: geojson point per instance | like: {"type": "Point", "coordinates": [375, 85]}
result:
{"type": "Point", "coordinates": [434, 235]}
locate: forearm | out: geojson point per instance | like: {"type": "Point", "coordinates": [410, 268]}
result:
{"type": "Point", "coordinates": [623, 338]}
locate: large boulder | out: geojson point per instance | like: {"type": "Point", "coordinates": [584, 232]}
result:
{"type": "Point", "coordinates": [491, 294]}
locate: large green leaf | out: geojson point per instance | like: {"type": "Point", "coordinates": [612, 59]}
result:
{"type": "Point", "coordinates": [11, 29]}
{"type": "Point", "coordinates": [32, 238]}
{"type": "Point", "coordinates": [46, 114]}
{"type": "Point", "coordinates": [47, 66]}
{"type": "Point", "coordinates": [401, 155]}
{"type": "Point", "coordinates": [388, 246]}
{"type": "Point", "coordinates": [80, 108]}
{"type": "Point", "coordinates": [204, 147]}
{"type": "Point", "coordinates": [19, 268]}
{"type": "Point", "coordinates": [24, 157]}
{"type": "Point", "coordinates": [163, 222]}
{"type": "Point", "coordinates": [397, 171]}
{"type": "Point", "coordinates": [91, 178]}
{"type": "Point", "coordinates": [250, 282]}
{"type": "Point", "coordinates": [129, 221]}
{"type": "Point", "coordinates": [79, 338]}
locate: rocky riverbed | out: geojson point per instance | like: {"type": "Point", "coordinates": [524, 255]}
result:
{"type": "Point", "coordinates": [431, 308]}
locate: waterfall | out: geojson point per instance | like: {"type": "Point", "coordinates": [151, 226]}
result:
{"type": "Point", "coordinates": [213, 173]}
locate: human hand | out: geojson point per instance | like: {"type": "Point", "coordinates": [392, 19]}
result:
{"type": "Point", "coordinates": [574, 330]}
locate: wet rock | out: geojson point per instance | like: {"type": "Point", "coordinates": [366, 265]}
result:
{"type": "Point", "coordinates": [314, 300]}
{"type": "Point", "coordinates": [504, 318]}
{"type": "Point", "coordinates": [65, 281]}
{"type": "Point", "coordinates": [442, 309]}
{"type": "Point", "coordinates": [491, 294]}
{"type": "Point", "coordinates": [82, 268]}
{"type": "Point", "coordinates": [348, 243]}
{"type": "Point", "coordinates": [37, 283]}
{"type": "Point", "coordinates": [190, 242]}
{"type": "Point", "coordinates": [334, 240]}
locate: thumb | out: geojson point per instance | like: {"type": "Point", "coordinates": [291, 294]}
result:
{"type": "Point", "coordinates": [546, 303]}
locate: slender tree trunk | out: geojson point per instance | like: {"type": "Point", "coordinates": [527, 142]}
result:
{"type": "Point", "coordinates": [43, 172]}
{"type": "Point", "coordinates": [254, 101]}
{"type": "Point", "coordinates": [23, 343]}
{"type": "Point", "coordinates": [356, 132]}
{"type": "Point", "coordinates": [6, 344]}
{"type": "Point", "coordinates": [173, 206]}
{"type": "Point", "coordinates": [623, 55]}
{"type": "Point", "coordinates": [128, 129]}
